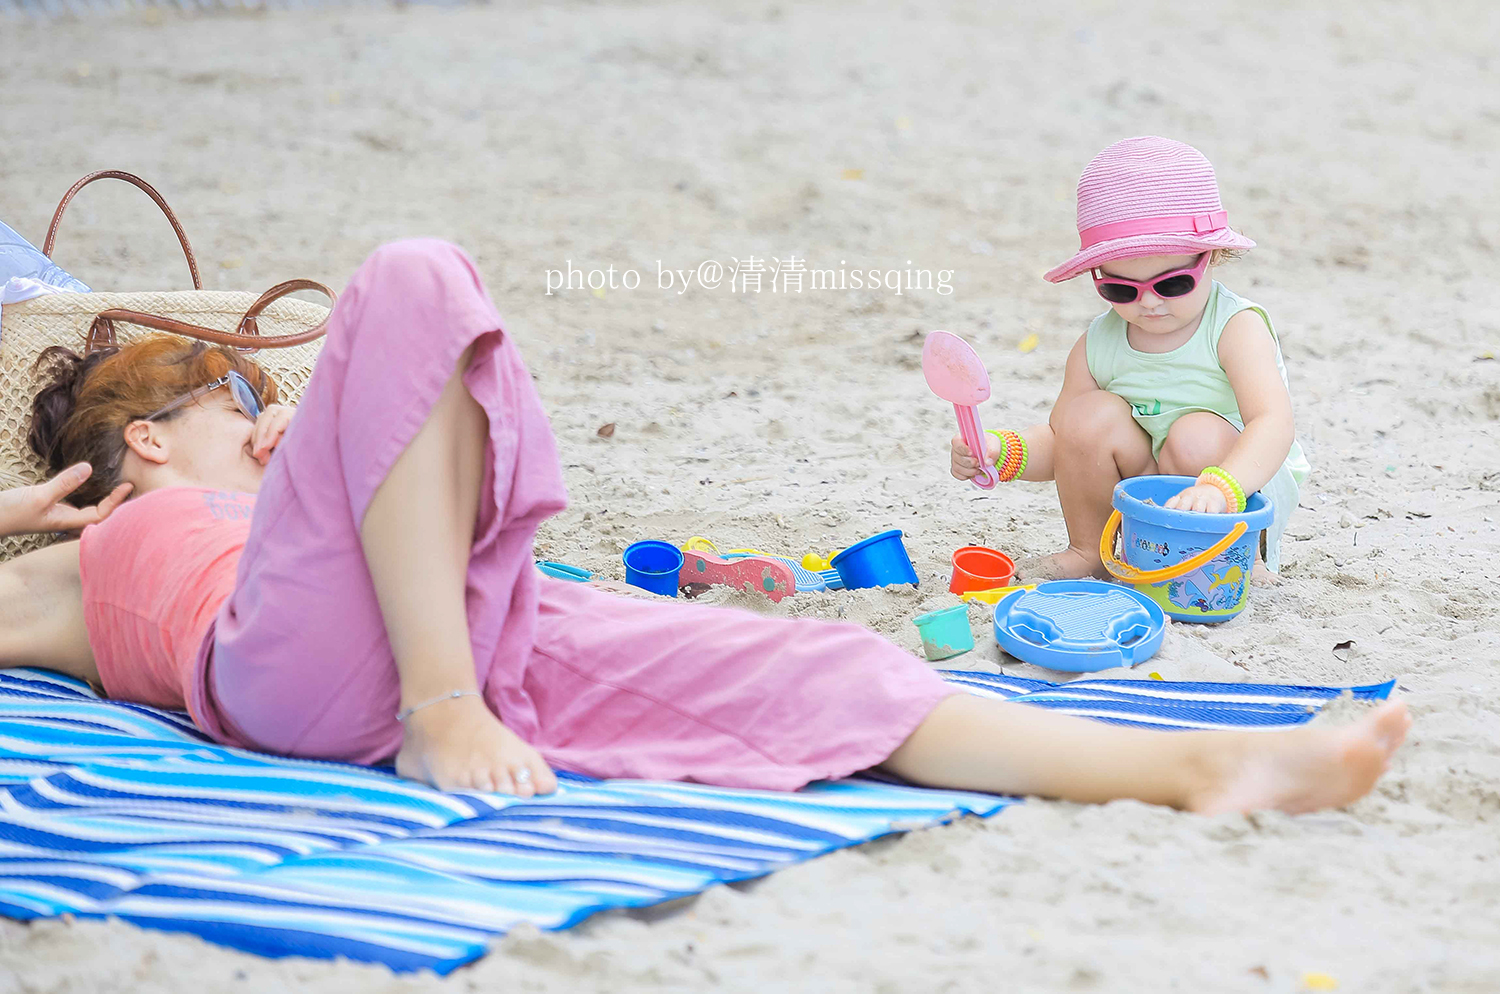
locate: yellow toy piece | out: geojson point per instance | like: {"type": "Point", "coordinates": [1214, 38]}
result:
{"type": "Point", "coordinates": [816, 563]}
{"type": "Point", "coordinates": [993, 595]}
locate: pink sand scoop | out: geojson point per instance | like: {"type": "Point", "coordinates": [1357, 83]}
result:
{"type": "Point", "coordinates": [954, 373]}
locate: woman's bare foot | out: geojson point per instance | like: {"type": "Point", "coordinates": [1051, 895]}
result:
{"type": "Point", "coordinates": [1305, 769]}
{"type": "Point", "coordinates": [459, 744]}
{"type": "Point", "coordinates": [1069, 564]}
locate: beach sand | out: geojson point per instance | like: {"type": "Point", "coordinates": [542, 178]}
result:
{"type": "Point", "coordinates": [1356, 142]}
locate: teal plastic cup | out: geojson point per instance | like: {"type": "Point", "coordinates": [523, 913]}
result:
{"type": "Point", "coordinates": [945, 633]}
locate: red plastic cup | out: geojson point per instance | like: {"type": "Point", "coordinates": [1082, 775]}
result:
{"type": "Point", "coordinates": [978, 568]}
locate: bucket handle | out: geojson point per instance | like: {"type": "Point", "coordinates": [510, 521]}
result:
{"type": "Point", "coordinates": [1130, 574]}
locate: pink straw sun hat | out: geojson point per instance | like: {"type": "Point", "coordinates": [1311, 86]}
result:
{"type": "Point", "coordinates": [1147, 196]}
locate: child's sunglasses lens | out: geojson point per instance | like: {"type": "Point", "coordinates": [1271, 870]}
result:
{"type": "Point", "coordinates": [1117, 293]}
{"type": "Point", "coordinates": [1175, 286]}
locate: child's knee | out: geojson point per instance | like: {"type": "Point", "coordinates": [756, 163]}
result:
{"type": "Point", "coordinates": [1092, 420]}
{"type": "Point", "coordinates": [1194, 441]}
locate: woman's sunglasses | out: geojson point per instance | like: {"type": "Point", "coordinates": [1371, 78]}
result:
{"type": "Point", "coordinates": [1177, 283]}
{"type": "Point", "coordinates": [245, 397]}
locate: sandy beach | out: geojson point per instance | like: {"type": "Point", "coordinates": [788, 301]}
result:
{"type": "Point", "coordinates": [1359, 144]}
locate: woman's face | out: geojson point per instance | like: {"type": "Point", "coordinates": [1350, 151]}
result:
{"type": "Point", "coordinates": [205, 443]}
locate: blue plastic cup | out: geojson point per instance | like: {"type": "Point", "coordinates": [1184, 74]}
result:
{"type": "Point", "coordinates": [878, 561]}
{"type": "Point", "coordinates": [653, 566]}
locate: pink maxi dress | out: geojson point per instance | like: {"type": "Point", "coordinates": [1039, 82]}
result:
{"type": "Point", "coordinates": [296, 660]}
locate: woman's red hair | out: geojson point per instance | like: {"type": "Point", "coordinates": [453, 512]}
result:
{"type": "Point", "coordinates": [86, 402]}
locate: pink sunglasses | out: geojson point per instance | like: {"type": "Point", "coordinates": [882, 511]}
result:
{"type": "Point", "coordinates": [1177, 283]}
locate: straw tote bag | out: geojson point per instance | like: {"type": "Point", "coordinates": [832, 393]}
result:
{"type": "Point", "coordinates": [282, 335]}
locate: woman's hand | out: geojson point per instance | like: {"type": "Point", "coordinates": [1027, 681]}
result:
{"type": "Point", "coordinates": [965, 466]}
{"type": "Point", "coordinates": [269, 428]}
{"type": "Point", "coordinates": [459, 744]}
{"type": "Point", "coordinates": [40, 508]}
{"type": "Point", "coordinates": [1200, 497]}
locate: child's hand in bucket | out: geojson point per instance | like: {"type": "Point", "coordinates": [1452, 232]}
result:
{"type": "Point", "coordinates": [1200, 497]}
{"type": "Point", "coordinates": [965, 466]}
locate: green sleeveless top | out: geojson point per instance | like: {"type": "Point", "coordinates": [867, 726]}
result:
{"type": "Point", "coordinates": [1161, 387]}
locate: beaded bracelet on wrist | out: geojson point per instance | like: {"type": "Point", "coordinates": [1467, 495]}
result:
{"type": "Point", "coordinates": [1234, 494]}
{"type": "Point", "coordinates": [1012, 462]}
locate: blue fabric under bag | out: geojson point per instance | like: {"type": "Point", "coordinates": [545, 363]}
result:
{"type": "Point", "coordinates": [112, 809]}
{"type": "Point", "coordinates": [18, 257]}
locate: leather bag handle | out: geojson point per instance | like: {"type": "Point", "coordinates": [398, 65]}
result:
{"type": "Point", "coordinates": [150, 191]}
{"type": "Point", "coordinates": [246, 337]}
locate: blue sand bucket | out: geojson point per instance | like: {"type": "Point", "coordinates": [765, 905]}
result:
{"type": "Point", "coordinates": [653, 566]}
{"type": "Point", "coordinates": [945, 633]}
{"type": "Point", "coordinates": [1195, 565]}
{"type": "Point", "coordinates": [878, 561]}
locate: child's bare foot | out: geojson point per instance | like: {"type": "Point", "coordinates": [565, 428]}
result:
{"type": "Point", "coordinates": [1262, 577]}
{"type": "Point", "coordinates": [1069, 564]}
{"type": "Point", "coordinates": [1305, 769]}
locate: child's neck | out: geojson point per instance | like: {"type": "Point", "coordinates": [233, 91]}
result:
{"type": "Point", "coordinates": [1145, 341]}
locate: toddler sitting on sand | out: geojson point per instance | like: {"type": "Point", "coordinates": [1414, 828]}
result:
{"type": "Point", "coordinates": [1180, 376]}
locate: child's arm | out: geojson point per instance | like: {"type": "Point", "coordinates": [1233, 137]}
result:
{"type": "Point", "coordinates": [1040, 439]}
{"type": "Point", "coordinates": [1247, 352]}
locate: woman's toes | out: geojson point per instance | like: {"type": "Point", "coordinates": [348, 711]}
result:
{"type": "Point", "coordinates": [1390, 725]}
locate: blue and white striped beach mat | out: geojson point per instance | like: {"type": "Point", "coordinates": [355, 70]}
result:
{"type": "Point", "coordinates": [118, 810]}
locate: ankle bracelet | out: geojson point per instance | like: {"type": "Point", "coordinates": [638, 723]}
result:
{"type": "Point", "coordinates": [405, 713]}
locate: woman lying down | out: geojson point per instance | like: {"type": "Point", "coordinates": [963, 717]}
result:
{"type": "Point", "coordinates": [355, 583]}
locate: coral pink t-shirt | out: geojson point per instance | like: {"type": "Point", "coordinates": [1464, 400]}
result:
{"type": "Point", "coordinates": [154, 574]}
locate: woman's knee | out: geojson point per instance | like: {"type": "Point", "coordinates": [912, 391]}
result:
{"type": "Point", "coordinates": [1194, 441]}
{"type": "Point", "coordinates": [430, 257]}
{"type": "Point", "coordinates": [402, 283]}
